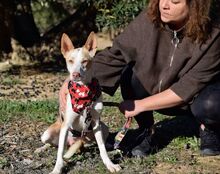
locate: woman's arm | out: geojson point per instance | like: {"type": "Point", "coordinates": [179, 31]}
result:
{"type": "Point", "coordinates": [165, 99]}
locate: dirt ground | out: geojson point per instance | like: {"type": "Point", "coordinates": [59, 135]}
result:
{"type": "Point", "coordinates": [20, 137]}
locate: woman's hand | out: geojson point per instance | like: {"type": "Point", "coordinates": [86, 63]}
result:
{"type": "Point", "coordinates": [131, 108]}
{"type": "Point", "coordinates": [62, 96]}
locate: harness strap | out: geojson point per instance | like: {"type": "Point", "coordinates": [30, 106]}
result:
{"type": "Point", "coordinates": [86, 129]}
{"type": "Point", "coordinates": [88, 120]}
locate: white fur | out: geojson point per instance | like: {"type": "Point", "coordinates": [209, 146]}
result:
{"type": "Point", "coordinates": [77, 56]}
{"type": "Point", "coordinates": [45, 137]}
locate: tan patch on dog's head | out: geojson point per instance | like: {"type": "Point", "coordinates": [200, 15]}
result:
{"type": "Point", "coordinates": [87, 59]}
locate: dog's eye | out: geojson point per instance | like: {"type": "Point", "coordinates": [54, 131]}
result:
{"type": "Point", "coordinates": [71, 61]}
{"type": "Point", "coordinates": [84, 62]}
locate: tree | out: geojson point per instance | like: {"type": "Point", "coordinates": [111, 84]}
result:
{"type": "Point", "coordinates": [17, 21]}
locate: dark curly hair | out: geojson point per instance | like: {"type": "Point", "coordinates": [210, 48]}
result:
{"type": "Point", "coordinates": [199, 24]}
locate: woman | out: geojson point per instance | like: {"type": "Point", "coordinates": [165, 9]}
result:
{"type": "Point", "coordinates": [167, 59]}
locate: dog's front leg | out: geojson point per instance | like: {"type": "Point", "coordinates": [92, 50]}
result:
{"type": "Point", "coordinates": [68, 121]}
{"type": "Point", "coordinates": [101, 144]}
{"type": "Point", "coordinates": [62, 138]}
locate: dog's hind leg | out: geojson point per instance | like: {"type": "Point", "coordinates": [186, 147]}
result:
{"type": "Point", "coordinates": [51, 135]}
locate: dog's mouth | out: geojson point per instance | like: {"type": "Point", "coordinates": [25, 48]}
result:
{"type": "Point", "coordinates": [75, 76]}
{"type": "Point", "coordinates": [76, 79]}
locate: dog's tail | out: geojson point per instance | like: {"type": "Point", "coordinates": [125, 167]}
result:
{"type": "Point", "coordinates": [74, 149]}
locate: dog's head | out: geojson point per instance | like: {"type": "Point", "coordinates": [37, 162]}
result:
{"type": "Point", "coordinates": [78, 60]}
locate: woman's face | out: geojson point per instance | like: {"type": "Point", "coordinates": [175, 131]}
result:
{"type": "Point", "coordinates": [174, 12]}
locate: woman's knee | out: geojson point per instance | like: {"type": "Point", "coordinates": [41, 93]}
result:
{"type": "Point", "coordinates": [206, 107]}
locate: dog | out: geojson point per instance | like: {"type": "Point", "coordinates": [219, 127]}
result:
{"type": "Point", "coordinates": [79, 114]}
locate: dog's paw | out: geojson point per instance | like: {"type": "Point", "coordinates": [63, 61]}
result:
{"type": "Point", "coordinates": [53, 172]}
{"type": "Point", "coordinates": [42, 149]}
{"type": "Point", "coordinates": [56, 171]}
{"type": "Point", "coordinates": [113, 167]}
{"type": "Point", "coordinates": [38, 150]}
{"type": "Point", "coordinates": [58, 168]}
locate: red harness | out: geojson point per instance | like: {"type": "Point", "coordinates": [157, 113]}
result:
{"type": "Point", "coordinates": [82, 96]}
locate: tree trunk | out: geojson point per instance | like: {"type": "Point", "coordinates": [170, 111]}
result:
{"type": "Point", "coordinates": [5, 26]}
{"type": "Point", "coordinates": [25, 30]}
{"type": "Point", "coordinates": [16, 20]}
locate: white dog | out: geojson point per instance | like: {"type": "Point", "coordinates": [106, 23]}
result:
{"type": "Point", "coordinates": [84, 105]}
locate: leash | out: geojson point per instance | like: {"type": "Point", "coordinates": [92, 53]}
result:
{"type": "Point", "coordinates": [121, 134]}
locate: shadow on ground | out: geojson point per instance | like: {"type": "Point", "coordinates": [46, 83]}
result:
{"type": "Point", "coordinates": [165, 132]}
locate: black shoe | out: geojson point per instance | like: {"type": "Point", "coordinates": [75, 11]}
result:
{"type": "Point", "coordinates": [210, 142]}
{"type": "Point", "coordinates": [143, 147]}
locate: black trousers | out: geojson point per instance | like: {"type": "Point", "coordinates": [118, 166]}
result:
{"type": "Point", "coordinates": [205, 107]}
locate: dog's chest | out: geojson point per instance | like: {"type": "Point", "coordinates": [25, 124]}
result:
{"type": "Point", "coordinates": [82, 123]}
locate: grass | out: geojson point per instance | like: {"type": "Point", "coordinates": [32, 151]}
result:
{"type": "Point", "coordinates": [9, 81]}
{"type": "Point", "coordinates": [38, 110]}
{"type": "Point", "coordinates": [3, 162]}
{"type": "Point", "coordinates": [179, 153]}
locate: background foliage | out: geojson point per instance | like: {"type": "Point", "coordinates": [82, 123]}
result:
{"type": "Point", "coordinates": [117, 13]}
{"type": "Point", "coordinates": [110, 13]}
{"type": "Point", "coordinates": [43, 21]}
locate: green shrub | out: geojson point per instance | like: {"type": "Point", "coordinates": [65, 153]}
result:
{"type": "Point", "coordinates": [117, 14]}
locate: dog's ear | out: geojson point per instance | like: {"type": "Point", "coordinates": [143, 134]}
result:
{"type": "Point", "coordinates": [66, 44]}
{"type": "Point", "coordinates": [91, 44]}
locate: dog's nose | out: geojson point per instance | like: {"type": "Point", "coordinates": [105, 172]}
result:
{"type": "Point", "coordinates": [75, 75]}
